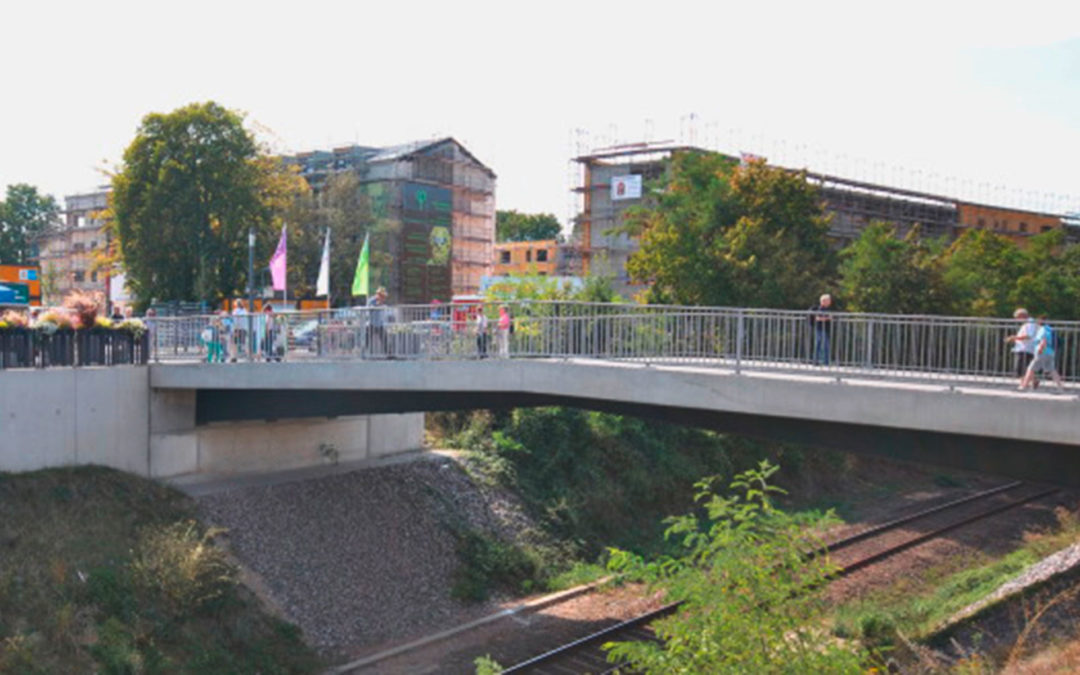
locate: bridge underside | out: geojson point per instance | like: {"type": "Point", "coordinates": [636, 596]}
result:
{"type": "Point", "coordinates": [1027, 460]}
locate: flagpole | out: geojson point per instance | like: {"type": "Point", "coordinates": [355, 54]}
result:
{"type": "Point", "coordinates": [329, 286]}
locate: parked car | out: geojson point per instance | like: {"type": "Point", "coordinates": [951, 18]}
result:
{"type": "Point", "coordinates": [306, 334]}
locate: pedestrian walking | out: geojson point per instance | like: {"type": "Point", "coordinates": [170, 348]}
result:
{"type": "Point", "coordinates": [481, 333]}
{"type": "Point", "coordinates": [1044, 360]}
{"type": "Point", "coordinates": [377, 343]}
{"type": "Point", "coordinates": [503, 334]}
{"type": "Point", "coordinates": [821, 325]}
{"type": "Point", "coordinates": [212, 337]}
{"type": "Point", "coordinates": [269, 334]}
{"type": "Point", "coordinates": [240, 321]}
{"type": "Point", "coordinates": [1023, 344]}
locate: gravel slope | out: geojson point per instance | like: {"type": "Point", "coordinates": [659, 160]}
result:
{"type": "Point", "coordinates": [360, 558]}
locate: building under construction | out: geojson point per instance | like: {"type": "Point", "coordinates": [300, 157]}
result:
{"type": "Point", "coordinates": [615, 179]}
{"type": "Point", "coordinates": [435, 203]}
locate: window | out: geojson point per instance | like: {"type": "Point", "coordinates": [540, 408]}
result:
{"type": "Point", "coordinates": [93, 276]}
{"type": "Point", "coordinates": [528, 255]}
{"type": "Point", "coordinates": [1047, 228]}
{"type": "Point", "coordinates": [982, 222]}
{"type": "Point", "coordinates": [78, 247]}
{"type": "Point", "coordinates": [1023, 226]}
{"type": "Point", "coordinates": [541, 255]}
{"type": "Point", "coordinates": [504, 257]}
{"type": "Point", "coordinates": [79, 276]}
{"type": "Point", "coordinates": [93, 245]}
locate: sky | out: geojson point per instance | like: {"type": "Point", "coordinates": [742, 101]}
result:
{"type": "Point", "coordinates": [976, 99]}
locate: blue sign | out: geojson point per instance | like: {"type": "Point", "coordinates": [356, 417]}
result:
{"type": "Point", "coordinates": [14, 294]}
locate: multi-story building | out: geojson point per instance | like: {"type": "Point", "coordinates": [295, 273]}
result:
{"type": "Point", "coordinates": [527, 257]}
{"type": "Point", "coordinates": [613, 180]}
{"type": "Point", "coordinates": [439, 201]}
{"type": "Point", "coordinates": [67, 252]}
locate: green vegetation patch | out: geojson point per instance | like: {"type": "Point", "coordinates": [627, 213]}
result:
{"type": "Point", "coordinates": [591, 481]}
{"type": "Point", "coordinates": [908, 607]}
{"type": "Point", "coordinates": [105, 572]}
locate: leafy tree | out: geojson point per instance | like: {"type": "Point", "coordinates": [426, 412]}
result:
{"type": "Point", "coordinates": [749, 604]}
{"type": "Point", "coordinates": [192, 183]}
{"type": "Point", "coordinates": [724, 234]}
{"type": "Point", "coordinates": [25, 215]}
{"type": "Point", "coordinates": [344, 207]}
{"type": "Point", "coordinates": [881, 273]}
{"type": "Point", "coordinates": [1050, 283]}
{"type": "Point", "coordinates": [981, 272]}
{"type": "Point", "coordinates": [514, 226]}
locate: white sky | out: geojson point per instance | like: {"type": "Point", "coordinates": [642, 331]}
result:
{"type": "Point", "coordinates": [957, 93]}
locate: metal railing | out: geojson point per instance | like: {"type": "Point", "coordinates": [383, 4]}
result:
{"type": "Point", "coordinates": [953, 349]}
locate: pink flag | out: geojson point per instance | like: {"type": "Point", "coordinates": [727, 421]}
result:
{"type": "Point", "coordinates": [277, 262]}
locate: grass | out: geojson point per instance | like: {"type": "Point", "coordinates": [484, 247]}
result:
{"type": "Point", "coordinates": [105, 572]}
{"type": "Point", "coordinates": [908, 607]}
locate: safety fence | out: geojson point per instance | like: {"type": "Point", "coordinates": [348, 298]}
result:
{"type": "Point", "coordinates": [32, 348]}
{"type": "Point", "coordinates": [955, 349]}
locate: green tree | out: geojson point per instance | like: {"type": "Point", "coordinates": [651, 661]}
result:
{"type": "Point", "coordinates": [881, 273]}
{"type": "Point", "coordinates": [514, 226]}
{"type": "Point", "coordinates": [192, 183]}
{"type": "Point", "coordinates": [344, 207]}
{"type": "Point", "coordinates": [1050, 283]}
{"type": "Point", "coordinates": [982, 269]}
{"type": "Point", "coordinates": [748, 592]}
{"type": "Point", "coordinates": [724, 234]}
{"type": "Point", "coordinates": [25, 215]}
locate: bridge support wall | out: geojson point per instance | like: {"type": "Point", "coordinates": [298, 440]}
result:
{"type": "Point", "coordinates": [111, 417]}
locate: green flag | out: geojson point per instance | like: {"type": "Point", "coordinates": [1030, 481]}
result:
{"type": "Point", "coordinates": [360, 280]}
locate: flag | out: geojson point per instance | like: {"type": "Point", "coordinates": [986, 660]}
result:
{"type": "Point", "coordinates": [322, 286]}
{"type": "Point", "coordinates": [277, 262]}
{"type": "Point", "coordinates": [360, 279]}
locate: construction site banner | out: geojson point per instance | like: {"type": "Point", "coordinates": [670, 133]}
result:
{"type": "Point", "coordinates": [426, 220]}
{"type": "Point", "coordinates": [626, 187]}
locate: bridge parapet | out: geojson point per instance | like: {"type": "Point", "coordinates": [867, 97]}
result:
{"type": "Point", "coordinates": [957, 350]}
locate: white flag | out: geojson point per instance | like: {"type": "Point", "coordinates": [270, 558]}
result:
{"type": "Point", "coordinates": [322, 286]}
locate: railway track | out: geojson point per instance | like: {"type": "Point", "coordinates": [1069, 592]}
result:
{"type": "Point", "coordinates": [855, 552]}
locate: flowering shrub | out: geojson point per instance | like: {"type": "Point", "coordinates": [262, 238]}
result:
{"type": "Point", "coordinates": [11, 320]}
{"type": "Point", "coordinates": [133, 326]}
{"type": "Point", "coordinates": [84, 305]}
{"type": "Point", "coordinates": [55, 320]}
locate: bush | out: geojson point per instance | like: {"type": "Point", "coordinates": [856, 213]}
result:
{"type": "Point", "coordinates": [747, 589]}
{"type": "Point", "coordinates": [181, 565]}
{"type": "Point", "coordinates": [487, 563]}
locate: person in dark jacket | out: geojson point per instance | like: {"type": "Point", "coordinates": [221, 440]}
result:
{"type": "Point", "coordinates": [821, 325]}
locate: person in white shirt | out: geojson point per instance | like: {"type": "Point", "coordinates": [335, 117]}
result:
{"type": "Point", "coordinates": [481, 333]}
{"type": "Point", "coordinates": [240, 330]}
{"type": "Point", "coordinates": [1023, 343]}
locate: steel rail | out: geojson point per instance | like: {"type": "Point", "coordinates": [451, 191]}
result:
{"type": "Point", "coordinates": [564, 651]}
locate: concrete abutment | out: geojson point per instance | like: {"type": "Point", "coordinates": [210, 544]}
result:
{"type": "Point", "coordinates": [112, 417]}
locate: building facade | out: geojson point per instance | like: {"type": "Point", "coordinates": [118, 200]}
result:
{"type": "Point", "coordinates": [436, 203]}
{"type": "Point", "coordinates": [527, 257]}
{"type": "Point", "coordinates": [68, 251]}
{"type": "Point", "coordinates": [614, 180]}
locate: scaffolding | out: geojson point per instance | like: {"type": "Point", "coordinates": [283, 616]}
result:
{"type": "Point", "coordinates": [436, 165]}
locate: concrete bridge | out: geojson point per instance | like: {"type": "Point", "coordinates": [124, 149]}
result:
{"type": "Point", "coordinates": [929, 389]}
{"type": "Point", "coordinates": [1025, 435]}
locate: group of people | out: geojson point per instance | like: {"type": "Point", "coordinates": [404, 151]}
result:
{"type": "Point", "coordinates": [1033, 344]}
{"type": "Point", "coordinates": [227, 335]}
{"type": "Point", "coordinates": [1033, 351]}
{"type": "Point", "coordinates": [504, 328]}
